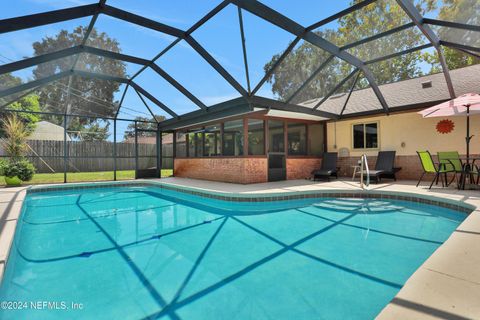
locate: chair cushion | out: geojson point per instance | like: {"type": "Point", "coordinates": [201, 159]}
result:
{"type": "Point", "coordinates": [323, 172]}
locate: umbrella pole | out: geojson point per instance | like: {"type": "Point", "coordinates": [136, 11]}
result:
{"type": "Point", "coordinates": [468, 132]}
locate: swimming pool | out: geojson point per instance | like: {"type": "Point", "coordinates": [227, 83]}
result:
{"type": "Point", "coordinates": [136, 252]}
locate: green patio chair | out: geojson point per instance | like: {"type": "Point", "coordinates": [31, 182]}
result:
{"type": "Point", "coordinates": [430, 167]}
{"type": "Point", "coordinates": [450, 160]}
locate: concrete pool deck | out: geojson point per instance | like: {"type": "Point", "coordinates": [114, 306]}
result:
{"type": "Point", "coordinates": [446, 286]}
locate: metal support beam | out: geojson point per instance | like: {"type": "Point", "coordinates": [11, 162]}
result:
{"type": "Point", "coordinates": [244, 49]}
{"type": "Point", "coordinates": [279, 105]}
{"type": "Point", "coordinates": [417, 18]}
{"type": "Point", "coordinates": [450, 24]}
{"type": "Point", "coordinates": [121, 101]}
{"type": "Point", "coordinates": [34, 83]}
{"type": "Point", "coordinates": [459, 46]}
{"type": "Point", "coordinates": [274, 17]}
{"type": "Point", "coordinates": [115, 55]}
{"type": "Point", "coordinates": [378, 36]}
{"type": "Point", "coordinates": [115, 150]}
{"type": "Point", "coordinates": [153, 99]}
{"type": "Point", "coordinates": [178, 86]}
{"type": "Point", "coordinates": [91, 25]}
{"type": "Point", "coordinates": [101, 76]}
{"type": "Point", "coordinates": [30, 62]}
{"type": "Point", "coordinates": [401, 53]}
{"type": "Point", "coordinates": [215, 65]}
{"type": "Point", "coordinates": [159, 152]}
{"type": "Point", "coordinates": [346, 47]}
{"type": "Point", "coordinates": [136, 149]}
{"type": "Point", "coordinates": [142, 21]}
{"type": "Point", "coordinates": [276, 64]}
{"type": "Point", "coordinates": [338, 86]}
{"type": "Point", "coordinates": [475, 55]}
{"type": "Point", "coordinates": [41, 19]}
{"type": "Point", "coordinates": [146, 105]}
{"type": "Point", "coordinates": [75, 115]}
{"type": "Point", "coordinates": [224, 109]}
{"type": "Point", "coordinates": [350, 94]}
{"type": "Point", "coordinates": [65, 152]}
{"type": "Point", "coordinates": [310, 79]}
{"type": "Point", "coordinates": [340, 14]}
{"type": "Point", "coordinates": [197, 25]}
{"type": "Point", "coordinates": [18, 98]}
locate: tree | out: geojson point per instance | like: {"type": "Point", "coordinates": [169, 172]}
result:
{"type": "Point", "coordinates": [150, 125]}
{"type": "Point", "coordinates": [459, 11]}
{"type": "Point", "coordinates": [7, 80]}
{"type": "Point", "coordinates": [373, 19]}
{"type": "Point", "coordinates": [27, 103]}
{"type": "Point", "coordinates": [86, 96]}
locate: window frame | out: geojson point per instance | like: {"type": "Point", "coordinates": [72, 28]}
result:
{"type": "Point", "coordinates": [364, 124]}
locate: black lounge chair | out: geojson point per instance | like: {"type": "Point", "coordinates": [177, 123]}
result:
{"type": "Point", "coordinates": [329, 167]}
{"type": "Point", "coordinates": [384, 167]}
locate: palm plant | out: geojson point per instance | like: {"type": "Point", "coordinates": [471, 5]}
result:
{"type": "Point", "coordinates": [15, 140]}
{"type": "Point", "coordinates": [17, 169]}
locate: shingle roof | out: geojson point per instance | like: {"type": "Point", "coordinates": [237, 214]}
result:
{"type": "Point", "coordinates": [404, 93]}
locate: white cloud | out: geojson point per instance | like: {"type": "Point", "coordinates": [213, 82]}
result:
{"type": "Point", "coordinates": [211, 100]}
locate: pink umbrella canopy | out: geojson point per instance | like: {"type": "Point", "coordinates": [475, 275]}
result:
{"type": "Point", "coordinates": [455, 107]}
{"type": "Point", "coordinates": [464, 105]}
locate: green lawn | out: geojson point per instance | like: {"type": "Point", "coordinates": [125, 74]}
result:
{"type": "Point", "coordinates": [43, 178]}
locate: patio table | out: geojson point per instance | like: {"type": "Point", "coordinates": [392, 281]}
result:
{"type": "Point", "coordinates": [467, 164]}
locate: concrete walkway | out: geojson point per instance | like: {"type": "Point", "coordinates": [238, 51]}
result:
{"type": "Point", "coordinates": [11, 200]}
{"type": "Point", "coordinates": [446, 286]}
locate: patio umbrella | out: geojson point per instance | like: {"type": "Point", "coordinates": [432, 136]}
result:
{"type": "Point", "coordinates": [464, 105]}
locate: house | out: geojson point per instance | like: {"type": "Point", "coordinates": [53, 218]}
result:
{"type": "Point", "coordinates": [45, 130]}
{"type": "Point", "coordinates": [258, 145]}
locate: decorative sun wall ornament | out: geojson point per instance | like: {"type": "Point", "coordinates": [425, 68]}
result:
{"type": "Point", "coordinates": [445, 126]}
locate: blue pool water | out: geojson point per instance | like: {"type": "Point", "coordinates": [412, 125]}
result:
{"type": "Point", "coordinates": [144, 252]}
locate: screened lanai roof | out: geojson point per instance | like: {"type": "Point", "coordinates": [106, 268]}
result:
{"type": "Point", "coordinates": [191, 61]}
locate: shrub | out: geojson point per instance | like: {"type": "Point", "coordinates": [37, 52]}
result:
{"type": "Point", "coordinates": [23, 169]}
{"type": "Point", "coordinates": [3, 163]}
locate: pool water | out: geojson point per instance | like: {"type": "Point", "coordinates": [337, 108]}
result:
{"type": "Point", "coordinates": [146, 252]}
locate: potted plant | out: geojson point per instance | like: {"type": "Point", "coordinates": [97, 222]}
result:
{"type": "Point", "coordinates": [17, 169]}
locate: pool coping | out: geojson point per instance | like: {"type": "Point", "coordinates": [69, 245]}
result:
{"type": "Point", "coordinates": [419, 298]}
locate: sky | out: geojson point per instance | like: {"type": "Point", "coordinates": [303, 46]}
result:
{"type": "Point", "coordinates": [220, 36]}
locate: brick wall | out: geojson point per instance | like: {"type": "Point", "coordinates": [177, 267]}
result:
{"type": "Point", "coordinates": [411, 166]}
{"type": "Point", "coordinates": [254, 170]}
{"type": "Point", "coordinates": [300, 168]}
{"type": "Point", "coordinates": [235, 170]}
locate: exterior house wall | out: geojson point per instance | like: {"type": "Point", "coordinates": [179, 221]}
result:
{"type": "Point", "coordinates": [406, 133]}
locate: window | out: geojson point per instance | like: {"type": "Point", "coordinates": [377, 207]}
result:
{"type": "Point", "coordinates": [181, 145]}
{"type": "Point", "coordinates": [233, 138]}
{"type": "Point", "coordinates": [276, 136]}
{"type": "Point", "coordinates": [365, 135]}
{"type": "Point", "coordinates": [256, 141]}
{"type": "Point", "coordinates": [199, 144]}
{"type": "Point", "coordinates": [212, 141]}
{"type": "Point", "coordinates": [191, 145]}
{"type": "Point", "coordinates": [316, 139]}
{"type": "Point", "coordinates": [297, 139]}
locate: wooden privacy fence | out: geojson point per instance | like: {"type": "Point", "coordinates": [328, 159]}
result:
{"type": "Point", "coordinates": [88, 156]}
